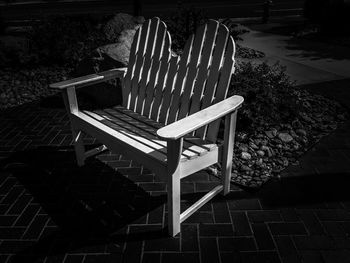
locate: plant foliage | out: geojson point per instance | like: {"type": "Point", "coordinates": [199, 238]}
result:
{"type": "Point", "coordinates": [64, 40]}
{"type": "Point", "coordinates": [268, 92]}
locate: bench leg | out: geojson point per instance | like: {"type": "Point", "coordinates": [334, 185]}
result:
{"type": "Point", "coordinates": [79, 146]}
{"type": "Point", "coordinates": [226, 165]}
{"type": "Point", "coordinates": [71, 104]}
{"type": "Point", "coordinates": [174, 204]}
{"type": "Point", "coordinates": [173, 173]}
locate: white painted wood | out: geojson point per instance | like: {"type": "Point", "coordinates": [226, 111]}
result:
{"type": "Point", "coordinates": [193, 144]}
{"type": "Point", "coordinates": [71, 104]}
{"type": "Point", "coordinates": [222, 87]}
{"type": "Point", "coordinates": [195, 165]}
{"type": "Point", "coordinates": [90, 79]}
{"type": "Point", "coordinates": [169, 86]}
{"type": "Point", "coordinates": [95, 151]}
{"type": "Point", "coordinates": [190, 123]}
{"type": "Point", "coordinates": [148, 64]}
{"type": "Point", "coordinates": [180, 80]}
{"type": "Point", "coordinates": [203, 69]}
{"type": "Point", "coordinates": [162, 77]}
{"type": "Point", "coordinates": [140, 59]}
{"type": "Point", "coordinates": [131, 69]}
{"type": "Point", "coordinates": [199, 39]}
{"type": "Point", "coordinates": [205, 199]}
{"type": "Point", "coordinates": [160, 50]}
{"type": "Point", "coordinates": [229, 136]}
{"type": "Point", "coordinates": [159, 89]}
{"type": "Point", "coordinates": [174, 153]}
{"type": "Point", "coordinates": [213, 76]}
{"type": "Point", "coordinates": [124, 145]}
{"type": "Point", "coordinates": [140, 132]}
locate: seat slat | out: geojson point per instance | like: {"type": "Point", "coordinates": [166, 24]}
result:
{"type": "Point", "coordinates": [147, 65]}
{"type": "Point", "coordinates": [130, 131]}
{"type": "Point", "coordinates": [115, 130]}
{"type": "Point", "coordinates": [195, 144]}
{"type": "Point", "coordinates": [213, 76]}
{"type": "Point", "coordinates": [141, 132]}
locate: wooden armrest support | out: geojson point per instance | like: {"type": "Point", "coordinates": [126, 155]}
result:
{"type": "Point", "coordinates": [90, 79]}
{"type": "Point", "coordinates": [191, 123]}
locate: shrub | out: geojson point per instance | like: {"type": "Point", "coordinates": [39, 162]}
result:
{"type": "Point", "coordinates": [182, 23]}
{"type": "Point", "coordinates": [64, 40]}
{"type": "Point", "coordinates": [269, 94]}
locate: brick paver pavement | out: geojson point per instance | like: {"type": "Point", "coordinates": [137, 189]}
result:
{"type": "Point", "coordinates": [114, 210]}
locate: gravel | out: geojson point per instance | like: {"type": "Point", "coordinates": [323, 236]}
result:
{"type": "Point", "coordinates": [25, 85]}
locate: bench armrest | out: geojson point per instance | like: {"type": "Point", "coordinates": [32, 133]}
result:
{"type": "Point", "coordinates": [90, 79]}
{"type": "Point", "coordinates": [201, 118]}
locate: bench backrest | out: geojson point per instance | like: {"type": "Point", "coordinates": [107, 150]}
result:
{"type": "Point", "coordinates": [165, 87]}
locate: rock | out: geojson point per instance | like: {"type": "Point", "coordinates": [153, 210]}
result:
{"type": "Point", "coordinates": [119, 23]}
{"type": "Point", "coordinates": [246, 156]}
{"type": "Point", "coordinates": [253, 146]}
{"type": "Point", "coordinates": [241, 136]}
{"type": "Point", "coordinates": [245, 168]}
{"type": "Point", "coordinates": [297, 124]}
{"type": "Point", "coordinates": [264, 142]}
{"type": "Point", "coordinates": [301, 132]}
{"type": "Point", "coordinates": [243, 148]}
{"type": "Point", "coordinates": [306, 118]}
{"type": "Point", "coordinates": [121, 30]}
{"type": "Point", "coordinates": [264, 148]}
{"type": "Point", "coordinates": [270, 152]}
{"type": "Point", "coordinates": [341, 117]}
{"type": "Point", "coordinates": [260, 153]}
{"type": "Point", "coordinates": [259, 162]}
{"type": "Point", "coordinates": [101, 94]}
{"type": "Point", "coordinates": [271, 133]}
{"type": "Point", "coordinates": [285, 137]}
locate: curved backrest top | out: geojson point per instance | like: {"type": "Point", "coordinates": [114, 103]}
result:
{"type": "Point", "coordinates": [167, 88]}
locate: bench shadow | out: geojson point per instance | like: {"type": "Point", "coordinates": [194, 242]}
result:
{"type": "Point", "coordinates": [306, 190]}
{"type": "Point", "coordinates": [88, 206]}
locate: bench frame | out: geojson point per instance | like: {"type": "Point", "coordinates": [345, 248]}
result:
{"type": "Point", "coordinates": [171, 171]}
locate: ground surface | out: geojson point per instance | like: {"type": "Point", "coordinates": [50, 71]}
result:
{"type": "Point", "coordinates": [113, 210]}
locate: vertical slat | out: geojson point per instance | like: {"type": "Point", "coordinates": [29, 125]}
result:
{"type": "Point", "coordinates": [160, 51]}
{"type": "Point", "coordinates": [148, 60]}
{"type": "Point", "coordinates": [131, 68]}
{"type": "Point", "coordinates": [213, 77]}
{"type": "Point", "coordinates": [166, 95]}
{"type": "Point", "coordinates": [204, 34]}
{"type": "Point", "coordinates": [139, 64]}
{"type": "Point", "coordinates": [227, 154]}
{"type": "Point", "coordinates": [222, 87]}
{"type": "Point", "coordinates": [180, 79]}
{"type": "Point", "coordinates": [162, 78]}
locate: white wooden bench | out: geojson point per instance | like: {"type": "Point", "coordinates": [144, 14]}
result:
{"type": "Point", "coordinates": [172, 106]}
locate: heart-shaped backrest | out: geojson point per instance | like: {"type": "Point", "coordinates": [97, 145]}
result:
{"type": "Point", "coordinates": [167, 88]}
